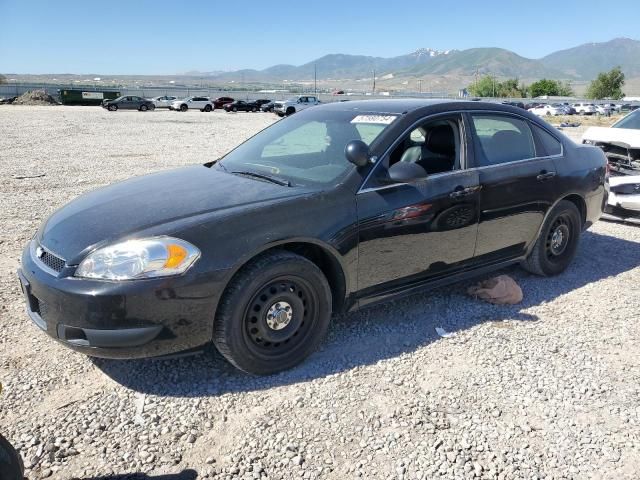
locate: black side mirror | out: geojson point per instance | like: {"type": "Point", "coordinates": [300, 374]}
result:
{"type": "Point", "coordinates": [357, 152]}
{"type": "Point", "coordinates": [405, 172]}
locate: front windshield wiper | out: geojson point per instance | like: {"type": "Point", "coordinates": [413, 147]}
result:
{"type": "Point", "coordinates": [276, 180]}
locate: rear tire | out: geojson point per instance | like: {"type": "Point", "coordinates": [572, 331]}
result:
{"type": "Point", "coordinates": [290, 111]}
{"type": "Point", "coordinates": [274, 313]}
{"type": "Point", "coordinates": [207, 108]}
{"type": "Point", "coordinates": [254, 109]}
{"type": "Point", "coordinates": [558, 241]}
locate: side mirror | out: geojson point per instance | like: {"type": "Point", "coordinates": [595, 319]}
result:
{"type": "Point", "coordinates": [357, 152]}
{"type": "Point", "coordinates": [405, 172]}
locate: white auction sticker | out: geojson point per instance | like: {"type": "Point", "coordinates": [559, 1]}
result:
{"type": "Point", "coordinates": [381, 119]}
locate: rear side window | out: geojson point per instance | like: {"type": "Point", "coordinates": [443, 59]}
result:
{"type": "Point", "coordinates": [502, 139]}
{"type": "Point", "coordinates": [549, 143]}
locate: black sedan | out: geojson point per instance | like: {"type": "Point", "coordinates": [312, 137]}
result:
{"type": "Point", "coordinates": [241, 106]}
{"type": "Point", "coordinates": [268, 107]}
{"type": "Point", "coordinates": [128, 102]}
{"type": "Point", "coordinates": [334, 208]}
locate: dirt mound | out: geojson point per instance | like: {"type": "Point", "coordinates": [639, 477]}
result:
{"type": "Point", "coordinates": [35, 97]}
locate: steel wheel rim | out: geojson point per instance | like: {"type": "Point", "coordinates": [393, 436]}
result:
{"type": "Point", "coordinates": [558, 237]}
{"type": "Point", "coordinates": [270, 338]}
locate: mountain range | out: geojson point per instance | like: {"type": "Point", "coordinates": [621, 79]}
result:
{"type": "Point", "coordinates": [579, 63]}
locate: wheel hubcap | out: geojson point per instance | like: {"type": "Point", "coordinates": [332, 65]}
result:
{"type": "Point", "coordinates": [558, 237]}
{"type": "Point", "coordinates": [279, 315]}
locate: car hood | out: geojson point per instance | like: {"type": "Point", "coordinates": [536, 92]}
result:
{"type": "Point", "coordinates": [148, 202]}
{"type": "Point", "coordinates": [627, 136]}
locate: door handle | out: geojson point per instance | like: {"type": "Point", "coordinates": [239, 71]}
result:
{"type": "Point", "coordinates": [544, 175]}
{"type": "Point", "coordinates": [460, 191]}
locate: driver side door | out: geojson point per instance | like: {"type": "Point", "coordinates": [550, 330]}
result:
{"type": "Point", "coordinates": [412, 232]}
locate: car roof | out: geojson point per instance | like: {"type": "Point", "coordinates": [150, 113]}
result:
{"type": "Point", "coordinates": [407, 105]}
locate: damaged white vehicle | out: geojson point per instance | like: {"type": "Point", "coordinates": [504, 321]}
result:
{"type": "Point", "coordinates": [621, 145]}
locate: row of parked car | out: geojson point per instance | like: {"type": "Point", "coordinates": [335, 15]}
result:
{"type": "Point", "coordinates": [205, 104]}
{"type": "Point", "coordinates": [580, 108]}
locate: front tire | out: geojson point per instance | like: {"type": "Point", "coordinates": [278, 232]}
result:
{"type": "Point", "coordinates": [143, 108]}
{"type": "Point", "coordinates": [207, 108]}
{"type": "Point", "coordinates": [11, 466]}
{"type": "Point", "coordinates": [113, 108]}
{"type": "Point", "coordinates": [183, 108]}
{"type": "Point", "coordinates": [290, 111]}
{"type": "Point", "coordinates": [274, 313]}
{"type": "Point", "coordinates": [558, 241]}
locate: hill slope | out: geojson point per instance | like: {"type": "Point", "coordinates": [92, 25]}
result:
{"type": "Point", "coordinates": [587, 60]}
{"type": "Point", "coordinates": [580, 63]}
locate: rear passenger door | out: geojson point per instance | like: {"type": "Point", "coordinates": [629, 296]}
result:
{"type": "Point", "coordinates": [518, 184]}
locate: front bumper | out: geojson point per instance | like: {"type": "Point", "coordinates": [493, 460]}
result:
{"type": "Point", "coordinates": [132, 319]}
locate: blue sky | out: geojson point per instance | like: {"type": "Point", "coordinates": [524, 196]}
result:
{"type": "Point", "coordinates": [167, 37]}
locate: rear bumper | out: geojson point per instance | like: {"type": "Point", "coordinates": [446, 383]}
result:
{"type": "Point", "coordinates": [136, 319]}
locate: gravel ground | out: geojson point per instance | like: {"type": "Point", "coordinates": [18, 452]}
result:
{"type": "Point", "coordinates": [546, 389]}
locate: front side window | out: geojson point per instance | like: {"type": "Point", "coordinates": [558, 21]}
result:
{"type": "Point", "coordinates": [501, 139]}
{"type": "Point", "coordinates": [435, 145]}
{"type": "Point", "coordinates": [307, 148]}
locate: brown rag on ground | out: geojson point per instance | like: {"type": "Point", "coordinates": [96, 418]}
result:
{"type": "Point", "coordinates": [499, 290]}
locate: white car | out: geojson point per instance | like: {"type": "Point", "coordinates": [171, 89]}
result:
{"type": "Point", "coordinates": [547, 110]}
{"type": "Point", "coordinates": [621, 145]}
{"type": "Point", "coordinates": [585, 108]}
{"type": "Point", "coordinates": [197, 103]}
{"type": "Point", "coordinates": [164, 101]}
{"type": "Point", "coordinates": [293, 105]}
{"type": "Point", "coordinates": [603, 109]}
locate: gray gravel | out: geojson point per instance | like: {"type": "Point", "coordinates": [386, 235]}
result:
{"type": "Point", "coordinates": [546, 389]}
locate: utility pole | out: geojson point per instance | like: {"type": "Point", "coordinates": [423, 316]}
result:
{"type": "Point", "coordinates": [374, 81]}
{"type": "Point", "coordinates": [420, 86]}
{"type": "Point", "coordinates": [315, 80]}
{"type": "Point", "coordinates": [477, 72]}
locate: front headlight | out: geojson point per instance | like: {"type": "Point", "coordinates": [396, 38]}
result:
{"type": "Point", "coordinates": [144, 258]}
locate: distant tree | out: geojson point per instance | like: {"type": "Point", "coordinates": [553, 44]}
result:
{"type": "Point", "coordinates": [552, 88]}
{"type": "Point", "coordinates": [489, 86]}
{"type": "Point", "coordinates": [607, 85]}
{"type": "Point", "coordinates": [511, 88]}
{"type": "Point", "coordinates": [3, 79]}
{"type": "Point", "coordinates": [485, 87]}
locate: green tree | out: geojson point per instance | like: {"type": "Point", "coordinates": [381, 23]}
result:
{"type": "Point", "coordinates": [485, 87]}
{"type": "Point", "coordinates": [552, 88]}
{"type": "Point", "coordinates": [511, 88]}
{"type": "Point", "coordinates": [490, 86]}
{"type": "Point", "coordinates": [607, 85]}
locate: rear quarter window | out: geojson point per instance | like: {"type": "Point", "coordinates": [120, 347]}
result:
{"type": "Point", "coordinates": [548, 144]}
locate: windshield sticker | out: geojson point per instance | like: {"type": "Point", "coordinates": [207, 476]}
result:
{"type": "Point", "coordinates": [380, 119]}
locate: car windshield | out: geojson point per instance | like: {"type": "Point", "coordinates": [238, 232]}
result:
{"type": "Point", "coordinates": [307, 148]}
{"type": "Point", "coordinates": [630, 121]}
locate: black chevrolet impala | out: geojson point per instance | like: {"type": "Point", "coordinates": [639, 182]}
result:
{"type": "Point", "coordinates": [328, 210]}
